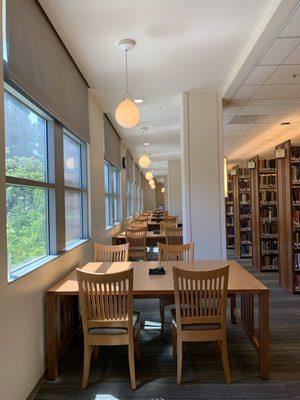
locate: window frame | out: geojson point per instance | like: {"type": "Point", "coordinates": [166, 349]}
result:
{"type": "Point", "coordinates": [113, 196]}
{"type": "Point", "coordinates": [129, 198]}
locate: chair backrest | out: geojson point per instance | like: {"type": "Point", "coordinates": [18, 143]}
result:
{"type": "Point", "coordinates": [106, 299]}
{"type": "Point", "coordinates": [136, 237]}
{"type": "Point", "coordinates": [174, 235]}
{"type": "Point", "coordinates": [166, 224]}
{"type": "Point", "coordinates": [200, 296]}
{"type": "Point", "coordinates": [141, 219]}
{"type": "Point", "coordinates": [111, 253]}
{"type": "Point", "coordinates": [183, 252]}
{"type": "Point", "coordinates": [138, 225]}
{"type": "Point", "coordinates": [170, 219]}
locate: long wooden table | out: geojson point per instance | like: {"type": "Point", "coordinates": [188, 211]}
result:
{"type": "Point", "coordinates": [62, 303]}
{"type": "Point", "coordinates": [151, 238]}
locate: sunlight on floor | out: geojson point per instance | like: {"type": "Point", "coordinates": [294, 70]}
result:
{"type": "Point", "coordinates": [105, 397]}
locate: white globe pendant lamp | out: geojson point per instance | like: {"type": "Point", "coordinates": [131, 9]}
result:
{"type": "Point", "coordinates": [151, 182]}
{"type": "Point", "coordinates": [127, 113]}
{"type": "Point", "coordinates": [163, 190]}
{"type": "Point", "coordinates": [153, 187]}
{"type": "Point", "coordinates": [149, 175]}
{"type": "Point", "coordinates": [144, 161]}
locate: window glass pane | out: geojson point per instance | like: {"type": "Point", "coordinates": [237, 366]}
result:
{"type": "Point", "coordinates": [73, 215]}
{"type": "Point", "coordinates": [25, 141]}
{"type": "Point", "coordinates": [72, 162]}
{"type": "Point", "coordinates": [106, 177]}
{"type": "Point", "coordinates": [107, 211]}
{"type": "Point", "coordinates": [26, 224]}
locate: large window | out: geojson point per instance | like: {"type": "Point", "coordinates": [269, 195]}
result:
{"type": "Point", "coordinates": [28, 184]}
{"type": "Point", "coordinates": [112, 195]}
{"type": "Point", "coordinates": [75, 189]}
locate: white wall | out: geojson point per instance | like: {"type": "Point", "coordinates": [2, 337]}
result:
{"type": "Point", "coordinates": [202, 173]}
{"type": "Point", "coordinates": [149, 196]}
{"type": "Point", "coordinates": [174, 192]}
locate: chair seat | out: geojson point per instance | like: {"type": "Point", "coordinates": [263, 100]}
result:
{"type": "Point", "coordinates": [115, 331]}
{"type": "Point", "coordinates": [194, 327]}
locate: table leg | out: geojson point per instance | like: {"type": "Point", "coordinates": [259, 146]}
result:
{"type": "Point", "coordinates": [233, 308]}
{"type": "Point", "coordinates": [52, 311]}
{"type": "Point", "coordinates": [264, 334]}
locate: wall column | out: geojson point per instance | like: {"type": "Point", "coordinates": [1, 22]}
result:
{"type": "Point", "coordinates": [202, 173]}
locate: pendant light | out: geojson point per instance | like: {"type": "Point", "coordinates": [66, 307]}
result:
{"type": "Point", "coordinates": [149, 175]}
{"type": "Point", "coordinates": [144, 160]}
{"type": "Point", "coordinates": [151, 182]}
{"type": "Point", "coordinates": [163, 190]}
{"type": "Point", "coordinates": [127, 113]}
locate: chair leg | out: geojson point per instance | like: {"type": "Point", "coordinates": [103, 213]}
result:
{"type": "Point", "coordinates": [174, 336]}
{"type": "Point", "coordinates": [162, 314]}
{"type": "Point", "coordinates": [86, 365]}
{"type": "Point", "coordinates": [179, 361]}
{"type": "Point", "coordinates": [131, 364]}
{"type": "Point", "coordinates": [225, 362]}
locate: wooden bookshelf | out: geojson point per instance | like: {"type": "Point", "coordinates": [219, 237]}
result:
{"type": "Point", "coordinates": [229, 215]}
{"type": "Point", "coordinates": [264, 214]}
{"type": "Point", "coordinates": [288, 193]}
{"type": "Point", "coordinates": [242, 212]}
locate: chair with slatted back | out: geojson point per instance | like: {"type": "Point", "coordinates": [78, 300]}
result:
{"type": "Point", "coordinates": [138, 225]}
{"type": "Point", "coordinates": [136, 237]}
{"type": "Point", "coordinates": [165, 224]}
{"type": "Point", "coordinates": [200, 312]}
{"type": "Point", "coordinates": [170, 219]}
{"type": "Point", "coordinates": [184, 252]}
{"type": "Point", "coordinates": [141, 219]}
{"type": "Point", "coordinates": [107, 315]}
{"type": "Point", "coordinates": [174, 235]}
{"type": "Point", "coordinates": [106, 253]}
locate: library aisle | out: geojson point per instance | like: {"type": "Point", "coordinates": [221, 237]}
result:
{"type": "Point", "coordinates": [202, 365]}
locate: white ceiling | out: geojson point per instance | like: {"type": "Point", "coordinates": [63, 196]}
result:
{"type": "Point", "coordinates": [270, 94]}
{"type": "Point", "coordinates": [181, 45]}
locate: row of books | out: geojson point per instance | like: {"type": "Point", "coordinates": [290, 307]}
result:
{"type": "Point", "coordinates": [295, 173]}
{"type": "Point", "coordinates": [296, 217]}
{"type": "Point", "coordinates": [297, 261]}
{"type": "Point", "coordinates": [229, 209]}
{"type": "Point", "coordinates": [267, 164]}
{"type": "Point", "coordinates": [296, 195]}
{"type": "Point", "coordinates": [244, 197]}
{"type": "Point", "coordinates": [245, 210]}
{"type": "Point", "coordinates": [295, 152]}
{"type": "Point", "coordinates": [245, 223]}
{"type": "Point", "coordinates": [230, 186]}
{"type": "Point", "coordinates": [267, 196]}
{"type": "Point", "coordinates": [267, 180]}
{"type": "Point", "coordinates": [229, 219]}
{"type": "Point", "coordinates": [297, 239]}
{"type": "Point", "coordinates": [244, 172]}
{"type": "Point", "coordinates": [268, 212]}
{"type": "Point", "coordinates": [269, 246]}
{"type": "Point", "coordinates": [244, 185]}
{"type": "Point", "coordinates": [269, 261]}
{"type": "Point", "coordinates": [230, 242]}
{"type": "Point", "coordinates": [270, 229]}
{"type": "Point", "coordinates": [230, 198]}
{"type": "Point", "coordinates": [245, 236]}
{"type": "Point", "coordinates": [230, 230]}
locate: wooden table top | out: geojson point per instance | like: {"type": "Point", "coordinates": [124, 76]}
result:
{"type": "Point", "coordinates": [149, 235]}
{"type": "Point", "coordinates": [145, 285]}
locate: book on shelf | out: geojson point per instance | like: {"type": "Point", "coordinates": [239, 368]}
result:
{"type": "Point", "coordinates": [267, 165]}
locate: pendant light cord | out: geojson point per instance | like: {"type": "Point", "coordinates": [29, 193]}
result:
{"type": "Point", "coordinates": [126, 73]}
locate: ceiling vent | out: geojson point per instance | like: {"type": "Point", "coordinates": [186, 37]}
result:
{"type": "Point", "coordinates": [246, 119]}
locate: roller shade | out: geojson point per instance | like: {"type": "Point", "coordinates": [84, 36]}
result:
{"type": "Point", "coordinates": [111, 144]}
{"type": "Point", "coordinates": [137, 175]}
{"type": "Point", "coordinates": [39, 63]}
{"type": "Point", "coordinates": [129, 167]}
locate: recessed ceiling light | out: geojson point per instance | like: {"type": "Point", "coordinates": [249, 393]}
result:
{"type": "Point", "coordinates": [285, 123]}
{"type": "Point", "coordinates": [138, 101]}
{"type": "Point", "coordinates": [146, 144]}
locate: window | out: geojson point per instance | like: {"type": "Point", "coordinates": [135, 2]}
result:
{"type": "Point", "coordinates": [27, 184]}
{"type": "Point", "coordinates": [129, 198]}
{"type": "Point", "coordinates": [136, 198]}
{"type": "Point", "coordinates": [112, 195]}
{"type": "Point", "coordinates": [75, 189]}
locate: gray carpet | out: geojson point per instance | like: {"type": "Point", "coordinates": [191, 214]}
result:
{"type": "Point", "coordinates": [202, 371]}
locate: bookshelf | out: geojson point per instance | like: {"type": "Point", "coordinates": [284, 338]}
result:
{"type": "Point", "coordinates": [242, 212]}
{"type": "Point", "coordinates": [264, 213]}
{"type": "Point", "coordinates": [288, 193]}
{"type": "Point", "coordinates": [229, 215]}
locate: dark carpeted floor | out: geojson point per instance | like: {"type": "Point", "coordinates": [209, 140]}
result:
{"type": "Point", "coordinates": [203, 375]}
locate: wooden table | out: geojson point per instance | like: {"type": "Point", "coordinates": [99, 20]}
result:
{"type": "Point", "coordinates": [151, 238]}
{"type": "Point", "coordinates": [62, 303]}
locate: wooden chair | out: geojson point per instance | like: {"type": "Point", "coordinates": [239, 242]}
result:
{"type": "Point", "coordinates": [107, 315]}
{"type": "Point", "coordinates": [136, 237]}
{"type": "Point", "coordinates": [111, 253]}
{"type": "Point", "coordinates": [141, 219]}
{"type": "Point", "coordinates": [200, 312]}
{"type": "Point", "coordinates": [170, 219]}
{"type": "Point", "coordinates": [139, 225]}
{"type": "Point", "coordinates": [165, 224]}
{"type": "Point", "coordinates": [174, 235]}
{"type": "Point", "coordinates": [184, 252]}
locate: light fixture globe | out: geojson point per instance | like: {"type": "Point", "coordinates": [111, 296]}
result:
{"type": "Point", "coordinates": [163, 190]}
{"type": "Point", "coordinates": [144, 161]}
{"type": "Point", "coordinates": [151, 182]}
{"type": "Point", "coordinates": [127, 114]}
{"type": "Point", "coordinates": [149, 175]}
{"type": "Point", "coordinates": [153, 187]}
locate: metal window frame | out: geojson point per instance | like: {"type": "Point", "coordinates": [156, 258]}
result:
{"type": "Point", "coordinates": [112, 195]}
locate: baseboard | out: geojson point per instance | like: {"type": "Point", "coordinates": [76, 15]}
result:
{"type": "Point", "coordinates": [36, 388]}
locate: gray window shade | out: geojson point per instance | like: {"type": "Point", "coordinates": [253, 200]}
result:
{"type": "Point", "coordinates": [137, 175]}
{"type": "Point", "coordinates": [129, 167]}
{"type": "Point", "coordinates": [39, 63]}
{"type": "Point", "coordinates": [111, 144]}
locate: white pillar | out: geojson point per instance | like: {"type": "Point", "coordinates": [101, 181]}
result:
{"type": "Point", "coordinates": [202, 173]}
{"type": "Point", "coordinates": [174, 189]}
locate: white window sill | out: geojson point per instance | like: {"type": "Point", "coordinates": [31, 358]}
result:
{"type": "Point", "coordinates": [108, 228]}
{"type": "Point", "coordinates": [28, 268]}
